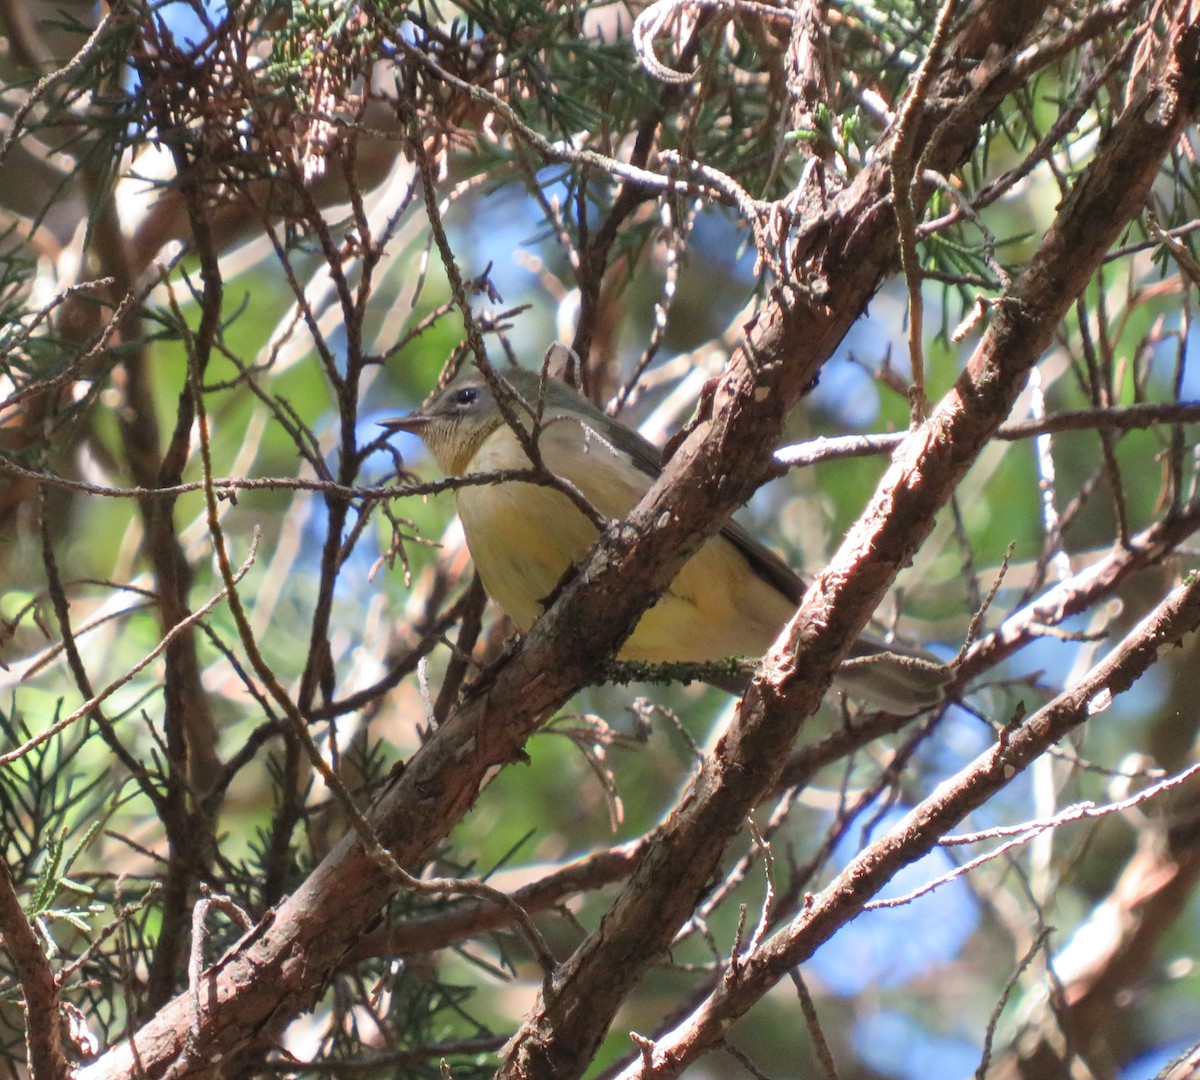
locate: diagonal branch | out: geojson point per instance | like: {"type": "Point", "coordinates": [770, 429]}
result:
{"type": "Point", "coordinates": [558, 1038]}
{"type": "Point", "coordinates": [920, 830]}
{"type": "Point", "coordinates": [279, 967]}
{"type": "Point", "coordinates": [43, 1026]}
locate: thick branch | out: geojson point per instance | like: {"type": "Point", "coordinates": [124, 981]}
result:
{"type": "Point", "coordinates": [558, 1039]}
{"type": "Point", "coordinates": [278, 968]}
{"type": "Point", "coordinates": [920, 831]}
{"type": "Point", "coordinates": [43, 1029]}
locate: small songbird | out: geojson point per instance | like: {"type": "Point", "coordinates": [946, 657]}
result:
{"type": "Point", "coordinates": [730, 599]}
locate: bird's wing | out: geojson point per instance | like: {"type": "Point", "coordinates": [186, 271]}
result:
{"type": "Point", "coordinates": [646, 456]}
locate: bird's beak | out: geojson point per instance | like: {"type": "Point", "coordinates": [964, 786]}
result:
{"type": "Point", "coordinates": [414, 422]}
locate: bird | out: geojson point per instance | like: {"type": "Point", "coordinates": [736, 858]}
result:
{"type": "Point", "coordinates": [730, 599]}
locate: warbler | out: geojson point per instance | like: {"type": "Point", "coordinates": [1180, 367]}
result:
{"type": "Point", "coordinates": [730, 599]}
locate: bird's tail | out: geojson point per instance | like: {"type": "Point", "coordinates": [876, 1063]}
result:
{"type": "Point", "coordinates": [897, 678]}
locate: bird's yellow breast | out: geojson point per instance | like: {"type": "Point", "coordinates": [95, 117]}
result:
{"type": "Point", "coordinates": [524, 537]}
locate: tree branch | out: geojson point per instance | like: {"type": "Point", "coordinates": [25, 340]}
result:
{"type": "Point", "coordinates": [43, 1023]}
{"type": "Point", "coordinates": [561, 1034]}
{"type": "Point", "coordinates": [919, 832]}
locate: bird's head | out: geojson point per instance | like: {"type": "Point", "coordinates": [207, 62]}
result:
{"type": "Point", "coordinates": [454, 422]}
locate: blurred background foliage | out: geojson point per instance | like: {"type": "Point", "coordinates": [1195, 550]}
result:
{"type": "Point", "coordinates": [308, 162]}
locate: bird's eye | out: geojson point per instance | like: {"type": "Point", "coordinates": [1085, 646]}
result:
{"type": "Point", "coordinates": [466, 396]}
